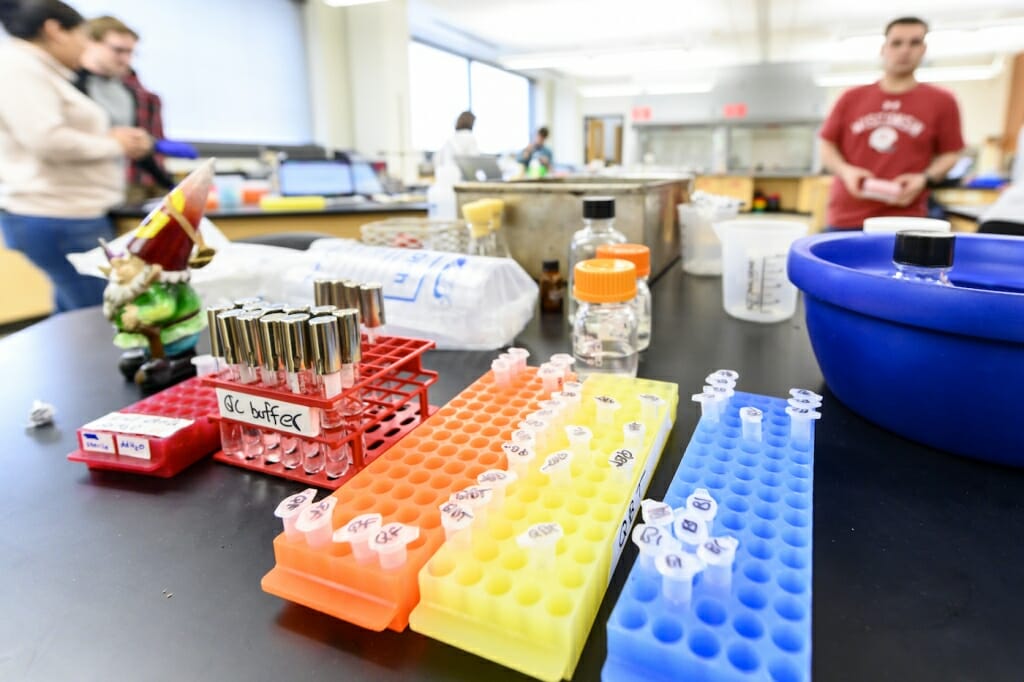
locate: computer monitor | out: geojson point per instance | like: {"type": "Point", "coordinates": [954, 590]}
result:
{"type": "Point", "coordinates": [479, 168]}
{"type": "Point", "coordinates": [365, 178]}
{"type": "Point", "coordinates": [321, 177]}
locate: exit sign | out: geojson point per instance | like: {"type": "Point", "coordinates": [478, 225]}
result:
{"type": "Point", "coordinates": [735, 110]}
{"type": "Point", "coordinates": [641, 114]}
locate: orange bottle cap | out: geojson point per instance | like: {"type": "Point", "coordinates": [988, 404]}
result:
{"type": "Point", "coordinates": [637, 254]}
{"type": "Point", "coordinates": [604, 280]}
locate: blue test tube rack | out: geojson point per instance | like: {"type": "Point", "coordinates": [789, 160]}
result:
{"type": "Point", "coordinates": [761, 629]}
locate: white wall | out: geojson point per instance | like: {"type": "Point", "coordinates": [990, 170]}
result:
{"type": "Point", "coordinates": [227, 71]}
{"type": "Point", "coordinates": [327, 60]}
{"type": "Point", "coordinates": [566, 123]}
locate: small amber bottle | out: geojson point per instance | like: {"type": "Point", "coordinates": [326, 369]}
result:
{"type": "Point", "coordinates": [552, 288]}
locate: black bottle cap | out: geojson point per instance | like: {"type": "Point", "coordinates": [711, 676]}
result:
{"type": "Point", "coordinates": [924, 249]}
{"type": "Point", "coordinates": [598, 207]}
{"type": "Point", "coordinates": [549, 266]}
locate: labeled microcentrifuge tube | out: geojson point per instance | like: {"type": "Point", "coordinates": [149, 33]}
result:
{"type": "Point", "coordinates": [518, 457]}
{"type": "Point", "coordinates": [718, 555]}
{"type": "Point", "coordinates": [519, 356]}
{"type": "Point", "coordinates": [700, 505]}
{"type": "Point", "coordinates": [727, 373]}
{"type": "Point", "coordinates": [708, 406]}
{"type": "Point", "coordinates": [655, 513]}
{"type": "Point", "coordinates": [677, 570]}
{"type": "Point", "coordinates": [633, 435]}
{"type": "Point", "coordinates": [476, 498]}
{"type": "Point", "coordinates": [502, 373]}
{"type": "Point", "coordinates": [579, 441]}
{"type": "Point", "coordinates": [457, 521]}
{"type": "Point", "coordinates": [715, 380]}
{"type": "Point", "coordinates": [800, 424]}
{"type": "Point", "coordinates": [570, 401]}
{"type": "Point", "coordinates": [690, 529]}
{"type": "Point", "coordinates": [525, 438]}
{"type": "Point", "coordinates": [650, 406]}
{"type": "Point", "coordinates": [751, 418]}
{"type": "Point", "coordinates": [290, 508]}
{"type": "Point", "coordinates": [652, 541]}
{"type": "Point", "coordinates": [357, 533]}
{"type": "Point", "coordinates": [539, 429]}
{"type": "Point", "coordinates": [557, 467]}
{"type": "Point", "coordinates": [564, 362]}
{"type": "Point", "coordinates": [540, 541]}
{"type": "Point", "coordinates": [389, 543]}
{"type": "Point", "coordinates": [621, 461]}
{"type": "Point", "coordinates": [551, 376]}
{"type": "Point", "coordinates": [497, 480]}
{"type": "Point", "coordinates": [315, 522]}
{"type": "Point", "coordinates": [805, 403]}
{"type": "Point", "coordinates": [574, 386]}
{"type": "Point", "coordinates": [607, 406]}
{"type": "Point", "coordinates": [805, 394]}
{"type": "Point", "coordinates": [724, 394]}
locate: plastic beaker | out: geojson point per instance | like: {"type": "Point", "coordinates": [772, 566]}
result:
{"type": "Point", "coordinates": [754, 282]}
{"type": "Point", "coordinates": [702, 252]}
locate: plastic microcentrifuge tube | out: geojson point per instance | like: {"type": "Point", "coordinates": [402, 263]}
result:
{"type": "Point", "coordinates": [357, 533]}
{"type": "Point", "coordinates": [290, 508]}
{"type": "Point", "coordinates": [579, 441]}
{"type": "Point", "coordinates": [457, 523]}
{"type": "Point", "coordinates": [502, 373]}
{"type": "Point", "coordinates": [557, 467]}
{"type": "Point", "coordinates": [518, 457]}
{"type": "Point", "coordinates": [715, 380]}
{"type": "Point", "coordinates": [519, 356]}
{"type": "Point", "coordinates": [315, 522]}
{"type": "Point", "coordinates": [751, 418]}
{"type": "Point", "coordinates": [389, 543]}
{"type": "Point", "coordinates": [677, 570]}
{"type": "Point", "coordinates": [551, 376]}
{"type": "Point", "coordinates": [540, 541]}
{"type": "Point", "coordinates": [656, 513]}
{"type": "Point", "coordinates": [497, 480]}
{"type": "Point", "coordinates": [718, 555]}
{"type": "Point", "coordinates": [607, 406]}
{"type": "Point", "coordinates": [701, 505]}
{"type": "Point", "coordinates": [205, 364]}
{"type": "Point", "coordinates": [476, 498]}
{"type": "Point", "coordinates": [805, 394]}
{"type": "Point", "coordinates": [633, 434]}
{"type": "Point", "coordinates": [727, 373]}
{"type": "Point", "coordinates": [562, 360]}
{"type": "Point", "coordinates": [621, 461]}
{"type": "Point", "coordinates": [805, 403]}
{"type": "Point", "coordinates": [650, 406]}
{"type": "Point", "coordinates": [800, 424]}
{"type": "Point", "coordinates": [708, 406]}
{"type": "Point", "coordinates": [652, 541]}
{"type": "Point", "coordinates": [690, 529]}
{"type": "Point", "coordinates": [539, 428]}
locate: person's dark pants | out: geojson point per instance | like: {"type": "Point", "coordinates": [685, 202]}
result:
{"type": "Point", "coordinates": [46, 242]}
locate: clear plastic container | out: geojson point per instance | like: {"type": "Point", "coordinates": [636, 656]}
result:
{"type": "Point", "coordinates": [604, 334]}
{"type": "Point", "coordinates": [702, 251]}
{"type": "Point", "coordinates": [755, 286]}
{"type": "Point", "coordinates": [640, 256]}
{"type": "Point", "coordinates": [598, 229]}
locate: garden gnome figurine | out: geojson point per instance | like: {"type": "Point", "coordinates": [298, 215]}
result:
{"type": "Point", "coordinates": [157, 314]}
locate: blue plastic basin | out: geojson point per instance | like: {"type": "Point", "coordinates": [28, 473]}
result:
{"type": "Point", "coordinates": [940, 365]}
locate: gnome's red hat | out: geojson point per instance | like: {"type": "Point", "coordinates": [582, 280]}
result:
{"type": "Point", "coordinates": [169, 232]}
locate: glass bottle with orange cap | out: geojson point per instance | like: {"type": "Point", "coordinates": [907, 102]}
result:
{"type": "Point", "coordinates": [604, 333]}
{"type": "Point", "coordinates": [640, 256]}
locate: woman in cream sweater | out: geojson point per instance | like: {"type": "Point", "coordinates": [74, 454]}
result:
{"type": "Point", "coordinates": [61, 161]}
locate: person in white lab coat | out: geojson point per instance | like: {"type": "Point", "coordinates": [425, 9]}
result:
{"type": "Point", "coordinates": [462, 143]}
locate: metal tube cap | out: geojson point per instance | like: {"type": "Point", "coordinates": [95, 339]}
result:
{"type": "Point", "coordinates": [371, 304]}
{"type": "Point", "coordinates": [322, 291]}
{"type": "Point", "coordinates": [296, 342]}
{"type": "Point", "coordinates": [351, 341]}
{"type": "Point", "coordinates": [250, 345]}
{"type": "Point", "coordinates": [216, 346]}
{"type": "Point", "coordinates": [272, 333]}
{"type": "Point", "coordinates": [242, 302]}
{"type": "Point", "coordinates": [228, 337]}
{"type": "Point", "coordinates": [270, 308]}
{"type": "Point", "coordinates": [325, 339]}
{"type": "Point", "coordinates": [322, 309]}
{"type": "Point", "coordinates": [295, 309]}
{"type": "Point", "coordinates": [351, 297]}
{"type": "Point", "coordinates": [339, 296]}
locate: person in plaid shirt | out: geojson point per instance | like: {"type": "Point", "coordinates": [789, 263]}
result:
{"type": "Point", "coordinates": [108, 78]}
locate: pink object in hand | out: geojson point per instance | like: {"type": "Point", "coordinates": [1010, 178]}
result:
{"type": "Point", "coordinates": [881, 190]}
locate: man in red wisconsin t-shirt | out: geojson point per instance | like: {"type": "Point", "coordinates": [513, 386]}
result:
{"type": "Point", "coordinates": [896, 129]}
